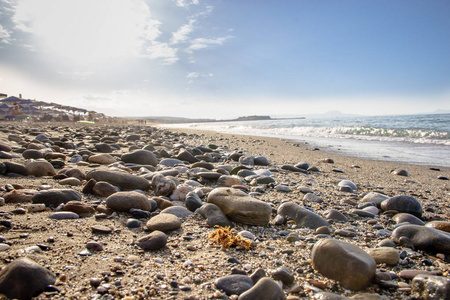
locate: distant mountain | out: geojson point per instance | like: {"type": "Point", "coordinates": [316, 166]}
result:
{"type": "Point", "coordinates": [441, 111]}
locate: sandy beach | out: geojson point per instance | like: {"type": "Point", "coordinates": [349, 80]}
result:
{"type": "Point", "coordinates": [91, 262]}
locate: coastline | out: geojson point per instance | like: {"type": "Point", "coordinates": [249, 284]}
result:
{"type": "Point", "coordinates": [188, 266]}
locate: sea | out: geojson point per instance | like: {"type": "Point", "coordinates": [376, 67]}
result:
{"type": "Point", "coordinates": [422, 139]}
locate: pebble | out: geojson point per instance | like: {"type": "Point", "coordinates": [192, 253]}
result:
{"type": "Point", "coordinates": [120, 179]}
{"type": "Point", "coordinates": [104, 189]}
{"type": "Point", "coordinates": [266, 289]}
{"type": "Point", "coordinates": [234, 284]}
{"type": "Point", "coordinates": [133, 223]}
{"type": "Point", "coordinates": [240, 207]}
{"type": "Point", "coordinates": [64, 215]}
{"type": "Point", "coordinates": [301, 216]}
{"type": "Point", "coordinates": [163, 186]}
{"type": "Point", "coordinates": [214, 215]}
{"type": "Point", "coordinates": [154, 241]}
{"type": "Point", "coordinates": [164, 222]}
{"type": "Point", "coordinates": [344, 262]}
{"type": "Point", "coordinates": [101, 229]}
{"type": "Point", "coordinates": [403, 204]}
{"type": "Point", "coordinates": [193, 201]}
{"type": "Point", "coordinates": [409, 218]}
{"type": "Point", "coordinates": [40, 168]}
{"type": "Point", "coordinates": [384, 255]}
{"type": "Point", "coordinates": [284, 275]}
{"type": "Point", "coordinates": [124, 201]}
{"type": "Point", "coordinates": [56, 197]}
{"type": "Point", "coordinates": [179, 211]}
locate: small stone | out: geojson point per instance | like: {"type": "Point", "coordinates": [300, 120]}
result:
{"type": "Point", "coordinates": [104, 189]}
{"type": "Point", "coordinates": [234, 284]}
{"type": "Point", "coordinates": [283, 274]}
{"type": "Point", "coordinates": [266, 289]}
{"type": "Point", "coordinates": [94, 246]}
{"type": "Point", "coordinates": [400, 172]}
{"type": "Point", "coordinates": [214, 216]}
{"type": "Point", "coordinates": [193, 201]}
{"type": "Point", "coordinates": [384, 255]}
{"type": "Point", "coordinates": [72, 181]}
{"type": "Point", "coordinates": [64, 215]}
{"type": "Point", "coordinates": [124, 201]}
{"type": "Point", "coordinates": [56, 197]}
{"type": "Point", "coordinates": [164, 222]}
{"type": "Point", "coordinates": [101, 229]}
{"type": "Point", "coordinates": [133, 223]}
{"type": "Point", "coordinates": [154, 241]}
{"type": "Point", "coordinates": [40, 168]}
{"type": "Point", "coordinates": [103, 159]}
{"type": "Point", "coordinates": [302, 216]}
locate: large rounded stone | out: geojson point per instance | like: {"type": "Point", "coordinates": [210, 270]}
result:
{"type": "Point", "coordinates": [124, 201]}
{"type": "Point", "coordinates": [164, 222]}
{"type": "Point", "coordinates": [17, 168]}
{"type": "Point", "coordinates": [349, 184]}
{"type": "Point", "coordinates": [240, 207]}
{"type": "Point", "coordinates": [40, 168]}
{"type": "Point", "coordinates": [120, 179]}
{"type": "Point", "coordinates": [103, 148]}
{"type": "Point", "coordinates": [24, 279]}
{"type": "Point", "coordinates": [301, 216]}
{"type": "Point", "coordinates": [344, 262]}
{"type": "Point", "coordinates": [153, 241]}
{"type": "Point", "coordinates": [266, 289]}
{"type": "Point", "coordinates": [56, 196]}
{"type": "Point", "coordinates": [5, 147]}
{"type": "Point", "coordinates": [403, 203]}
{"type": "Point", "coordinates": [141, 157]}
{"type": "Point", "coordinates": [424, 238]}
{"type": "Point", "coordinates": [187, 156]}
{"type": "Point", "coordinates": [214, 215]}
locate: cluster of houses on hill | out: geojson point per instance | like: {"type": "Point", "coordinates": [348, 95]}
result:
{"type": "Point", "coordinates": [16, 108]}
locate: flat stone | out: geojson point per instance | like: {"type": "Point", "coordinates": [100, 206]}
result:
{"type": "Point", "coordinates": [424, 238]}
{"type": "Point", "coordinates": [24, 279]}
{"type": "Point", "coordinates": [103, 159]}
{"type": "Point", "coordinates": [170, 162]}
{"type": "Point", "coordinates": [153, 241]}
{"type": "Point", "coordinates": [336, 216]}
{"type": "Point", "coordinates": [234, 284]}
{"type": "Point", "coordinates": [405, 217]}
{"type": "Point", "coordinates": [72, 181]}
{"type": "Point", "coordinates": [440, 225]}
{"type": "Point", "coordinates": [32, 154]}
{"type": "Point", "coordinates": [266, 289]}
{"type": "Point", "coordinates": [344, 262]}
{"type": "Point", "coordinates": [179, 211]}
{"type": "Point", "coordinates": [164, 222]}
{"type": "Point", "coordinates": [240, 207]}
{"type": "Point", "coordinates": [101, 229]}
{"type": "Point", "coordinates": [301, 216]}
{"type": "Point", "coordinates": [56, 197]}
{"type": "Point", "coordinates": [124, 201]}
{"type": "Point", "coordinates": [120, 179]}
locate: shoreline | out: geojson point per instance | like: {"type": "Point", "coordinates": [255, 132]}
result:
{"type": "Point", "coordinates": [189, 264]}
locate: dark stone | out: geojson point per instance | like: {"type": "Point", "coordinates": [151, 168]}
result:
{"type": "Point", "coordinates": [302, 216]}
{"type": "Point", "coordinates": [122, 180]}
{"type": "Point", "coordinates": [266, 289]}
{"type": "Point", "coordinates": [424, 238]}
{"type": "Point", "coordinates": [234, 284]}
{"type": "Point", "coordinates": [154, 241]}
{"type": "Point", "coordinates": [24, 279]}
{"type": "Point", "coordinates": [32, 154]}
{"type": "Point", "coordinates": [142, 157]}
{"type": "Point", "coordinates": [56, 196]}
{"type": "Point", "coordinates": [193, 201]}
{"type": "Point", "coordinates": [403, 203]}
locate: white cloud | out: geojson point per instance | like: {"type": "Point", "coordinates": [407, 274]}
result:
{"type": "Point", "coordinates": [5, 35]}
{"type": "Point", "coordinates": [187, 3]}
{"type": "Point", "coordinates": [183, 32]}
{"type": "Point", "coordinates": [193, 76]}
{"type": "Point", "coordinates": [203, 43]}
{"type": "Point", "coordinates": [162, 50]}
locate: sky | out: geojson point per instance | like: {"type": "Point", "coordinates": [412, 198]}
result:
{"type": "Point", "coordinates": [228, 58]}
